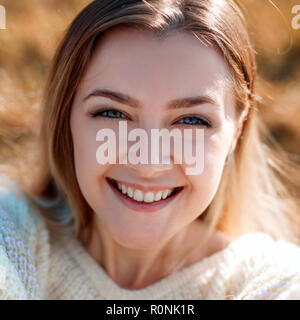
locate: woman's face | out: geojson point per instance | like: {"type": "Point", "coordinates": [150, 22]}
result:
{"type": "Point", "coordinates": [152, 73]}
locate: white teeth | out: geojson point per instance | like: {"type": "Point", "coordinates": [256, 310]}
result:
{"type": "Point", "coordinates": [147, 197]}
{"type": "Point", "coordinates": [130, 192]}
{"type": "Point", "coordinates": [124, 189]}
{"type": "Point", "coordinates": [165, 194]}
{"type": "Point", "coordinates": [138, 195]}
{"type": "Point", "coordinates": [158, 196]}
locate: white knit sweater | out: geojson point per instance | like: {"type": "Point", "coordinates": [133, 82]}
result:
{"type": "Point", "coordinates": [37, 263]}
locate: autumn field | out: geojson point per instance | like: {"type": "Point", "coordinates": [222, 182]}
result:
{"type": "Point", "coordinates": [34, 28]}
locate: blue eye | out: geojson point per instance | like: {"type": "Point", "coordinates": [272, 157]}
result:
{"type": "Point", "coordinates": [194, 121]}
{"type": "Point", "coordinates": [115, 114]}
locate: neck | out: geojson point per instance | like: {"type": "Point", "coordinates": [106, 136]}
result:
{"type": "Point", "coordinates": [132, 268]}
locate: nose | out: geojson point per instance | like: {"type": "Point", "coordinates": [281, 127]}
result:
{"type": "Point", "coordinates": [145, 155]}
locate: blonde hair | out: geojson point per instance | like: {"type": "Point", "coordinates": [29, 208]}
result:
{"type": "Point", "coordinates": [257, 189]}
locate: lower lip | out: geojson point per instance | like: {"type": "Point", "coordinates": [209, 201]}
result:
{"type": "Point", "coordinates": [142, 206]}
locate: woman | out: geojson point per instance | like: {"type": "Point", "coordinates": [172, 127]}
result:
{"type": "Point", "coordinates": [150, 231]}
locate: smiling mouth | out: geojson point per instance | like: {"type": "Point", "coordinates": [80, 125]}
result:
{"type": "Point", "coordinates": [139, 196]}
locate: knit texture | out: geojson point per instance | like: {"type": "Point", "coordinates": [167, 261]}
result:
{"type": "Point", "coordinates": [39, 263]}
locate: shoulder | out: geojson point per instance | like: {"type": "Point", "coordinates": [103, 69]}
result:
{"type": "Point", "coordinates": [17, 208]}
{"type": "Point", "coordinates": [265, 268]}
{"type": "Point", "coordinates": [14, 205]}
{"type": "Point", "coordinates": [22, 235]}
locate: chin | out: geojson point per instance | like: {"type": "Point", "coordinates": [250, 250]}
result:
{"type": "Point", "coordinates": [140, 241]}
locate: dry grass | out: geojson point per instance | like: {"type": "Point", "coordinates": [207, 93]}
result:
{"type": "Point", "coordinates": [34, 28]}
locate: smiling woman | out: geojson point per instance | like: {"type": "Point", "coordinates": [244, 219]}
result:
{"type": "Point", "coordinates": [150, 231]}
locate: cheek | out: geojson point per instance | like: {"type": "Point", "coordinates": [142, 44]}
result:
{"type": "Point", "coordinates": [85, 147]}
{"type": "Point", "coordinates": [216, 147]}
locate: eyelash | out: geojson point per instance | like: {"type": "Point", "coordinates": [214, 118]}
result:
{"type": "Point", "coordinates": [112, 114]}
{"type": "Point", "coordinates": [105, 114]}
{"type": "Point", "coordinates": [199, 121]}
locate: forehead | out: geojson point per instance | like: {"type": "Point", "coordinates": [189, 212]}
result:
{"type": "Point", "coordinates": [139, 61]}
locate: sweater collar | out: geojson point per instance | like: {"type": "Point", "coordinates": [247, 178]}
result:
{"type": "Point", "coordinates": [108, 289]}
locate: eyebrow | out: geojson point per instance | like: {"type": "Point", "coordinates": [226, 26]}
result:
{"type": "Point", "coordinates": [130, 101]}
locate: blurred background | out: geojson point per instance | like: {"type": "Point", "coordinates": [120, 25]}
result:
{"type": "Point", "coordinates": [34, 28]}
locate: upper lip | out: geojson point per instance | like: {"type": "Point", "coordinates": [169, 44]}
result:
{"type": "Point", "coordinates": [143, 187]}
